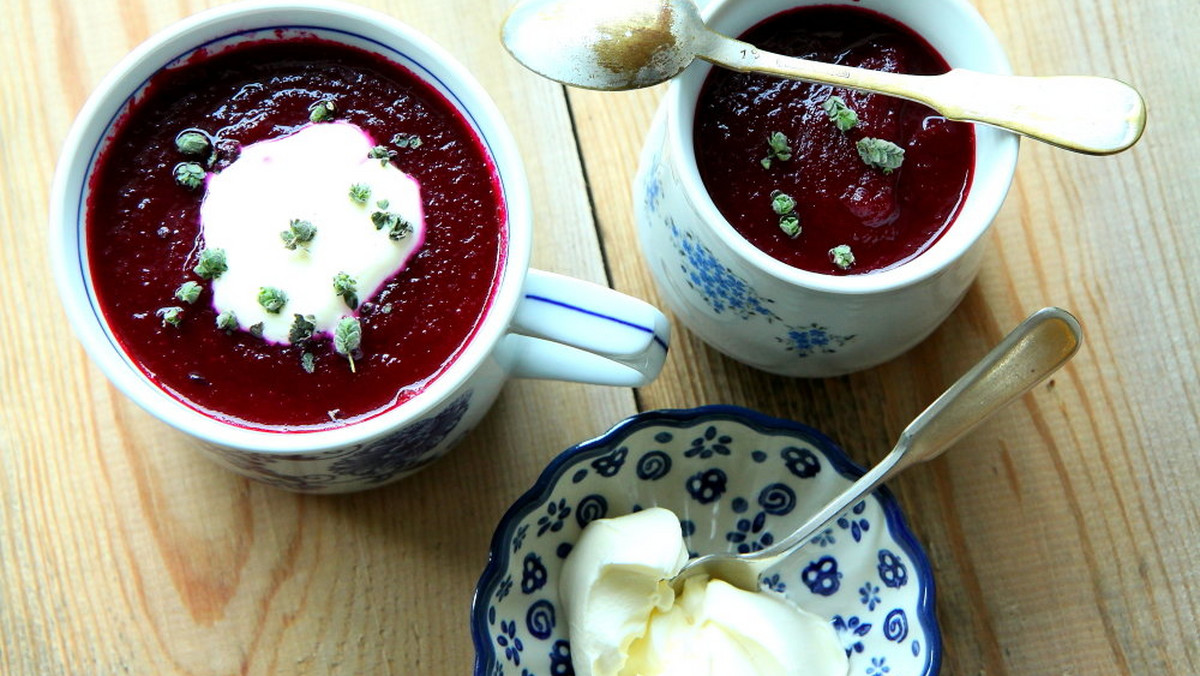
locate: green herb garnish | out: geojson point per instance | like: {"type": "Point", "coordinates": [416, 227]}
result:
{"type": "Point", "coordinates": [308, 362]}
{"type": "Point", "coordinates": [212, 264]}
{"type": "Point", "coordinates": [272, 299]}
{"type": "Point", "coordinates": [170, 315]}
{"type": "Point", "coordinates": [322, 111]}
{"type": "Point", "coordinates": [397, 227]}
{"type": "Point", "coordinates": [785, 206]}
{"type": "Point", "coordinates": [406, 141]}
{"type": "Point", "coordinates": [189, 175]}
{"type": "Point", "coordinates": [840, 113]}
{"type": "Point", "coordinates": [347, 338]}
{"type": "Point", "coordinates": [842, 256]}
{"type": "Point", "coordinates": [345, 286]}
{"type": "Point", "coordinates": [790, 225]}
{"type": "Point", "coordinates": [256, 330]}
{"type": "Point", "coordinates": [360, 192]}
{"type": "Point", "coordinates": [227, 321]}
{"type": "Point", "coordinates": [778, 149]}
{"type": "Point", "coordinates": [782, 203]}
{"type": "Point", "coordinates": [193, 143]}
{"type": "Point", "coordinates": [298, 235]}
{"type": "Point", "coordinates": [302, 328]}
{"type": "Point", "coordinates": [880, 154]}
{"type": "Point", "coordinates": [188, 292]}
{"type": "Point", "coordinates": [382, 154]}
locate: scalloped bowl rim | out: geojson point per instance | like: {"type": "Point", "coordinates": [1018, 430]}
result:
{"type": "Point", "coordinates": [557, 468]}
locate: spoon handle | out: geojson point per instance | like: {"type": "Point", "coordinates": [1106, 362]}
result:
{"type": "Point", "coordinates": [1031, 352]}
{"type": "Point", "coordinates": [1093, 115]}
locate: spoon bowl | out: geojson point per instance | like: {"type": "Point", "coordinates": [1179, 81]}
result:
{"type": "Point", "coordinates": [609, 46]}
{"type": "Point", "coordinates": [629, 44]}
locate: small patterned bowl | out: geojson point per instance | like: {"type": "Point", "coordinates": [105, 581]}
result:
{"type": "Point", "coordinates": [738, 480]}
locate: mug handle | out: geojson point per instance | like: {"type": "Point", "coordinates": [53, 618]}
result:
{"type": "Point", "coordinates": [568, 329]}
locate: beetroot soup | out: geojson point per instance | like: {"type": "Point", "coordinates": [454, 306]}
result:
{"type": "Point", "coordinates": [145, 241]}
{"type": "Point", "coordinates": [825, 179]}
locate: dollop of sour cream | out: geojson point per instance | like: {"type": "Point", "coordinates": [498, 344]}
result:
{"type": "Point", "coordinates": [624, 619]}
{"type": "Point", "coordinates": [306, 176]}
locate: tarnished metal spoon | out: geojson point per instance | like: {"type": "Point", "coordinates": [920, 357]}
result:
{"type": "Point", "coordinates": [1034, 350]}
{"type": "Point", "coordinates": [629, 44]}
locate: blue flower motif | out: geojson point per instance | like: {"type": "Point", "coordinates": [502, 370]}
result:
{"type": "Point", "coordinates": [707, 486]}
{"type": "Point", "coordinates": [805, 341]}
{"type": "Point", "coordinates": [709, 444]}
{"type": "Point", "coordinates": [856, 629]}
{"type": "Point", "coordinates": [405, 451]}
{"type": "Point", "coordinates": [610, 464]}
{"type": "Point", "coordinates": [822, 576]}
{"type": "Point", "coordinates": [509, 641]}
{"type": "Point", "coordinates": [556, 514]}
{"type": "Point", "coordinates": [533, 573]}
{"type": "Point", "coordinates": [869, 595]}
{"type": "Point", "coordinates": [717, 285]}
{"type": "Point", "coordinates": [892, 570]}
{"type": "Point", "coordinates": [824, 538]}
{"type": "Point", "coordinates": [744, 529]}
{"type": "Point", "coordinates": [774, 583]}
{"type": "Point", "coordinates": [856, 526]}
{"type": "Point", "coordinates": [503, 589]}
{"type": "Point", "coordinates": [878, 666]}
{"type": "Point", "coordinates": [801, 462]}
{"type": "Point", "coordinates": [519, 537]}
{"type": "Point", "coordinates": [654, 186]}
{"type": "Point", "coordinates": [560, 659]}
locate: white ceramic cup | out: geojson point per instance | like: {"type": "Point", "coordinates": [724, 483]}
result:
{"type": "Point", "coordinates": [538, 325]}
{"type": "Point", "coordinates": [781, 319]}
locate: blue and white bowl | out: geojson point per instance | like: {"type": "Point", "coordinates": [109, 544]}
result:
{"type": "Point", "coordinates": [738, 481]}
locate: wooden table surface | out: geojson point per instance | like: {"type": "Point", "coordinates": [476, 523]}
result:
{"type": "Point", "coordinates": [1063, 533]}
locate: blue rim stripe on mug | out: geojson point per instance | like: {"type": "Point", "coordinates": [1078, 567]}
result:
{"type": "Point", "coordinates": [659, 340]}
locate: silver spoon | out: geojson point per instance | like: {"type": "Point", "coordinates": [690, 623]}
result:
{"type": "Point", "coordinates": [629, 44]}
{"type": "Point", "coordinates": [1034, 350]}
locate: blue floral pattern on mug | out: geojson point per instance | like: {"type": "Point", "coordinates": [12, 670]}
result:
{"type": "Point", "coordinates": [811, 339]}
{"type": "Point", "coordinates": [722, 289]}
{"type": "Point", "coordinates": [373, 462]}
{"type": "Point", "coordinates": [873, 587]}
{"type": "Point", "coordinates": [715, 284]}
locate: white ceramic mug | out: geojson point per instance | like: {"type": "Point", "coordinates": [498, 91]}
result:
{"type": "Point", "coordinates": [773, 316]}
{"type": "Point", "coordinates": [538, 325]}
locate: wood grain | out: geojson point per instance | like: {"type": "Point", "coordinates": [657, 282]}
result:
{"type": "Point", "coordinates": [1062, 532]}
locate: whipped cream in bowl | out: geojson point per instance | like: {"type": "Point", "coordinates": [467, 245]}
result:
{"type": "Point", "coordinates": [624, 617]}
{"type": "Point", "coordinates": [575, 581]}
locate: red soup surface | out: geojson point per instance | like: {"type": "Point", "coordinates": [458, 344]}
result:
{"type": "Point", "coordinates": [144, 235]}
{"type": "Point", "coordinates": [884, 217]}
